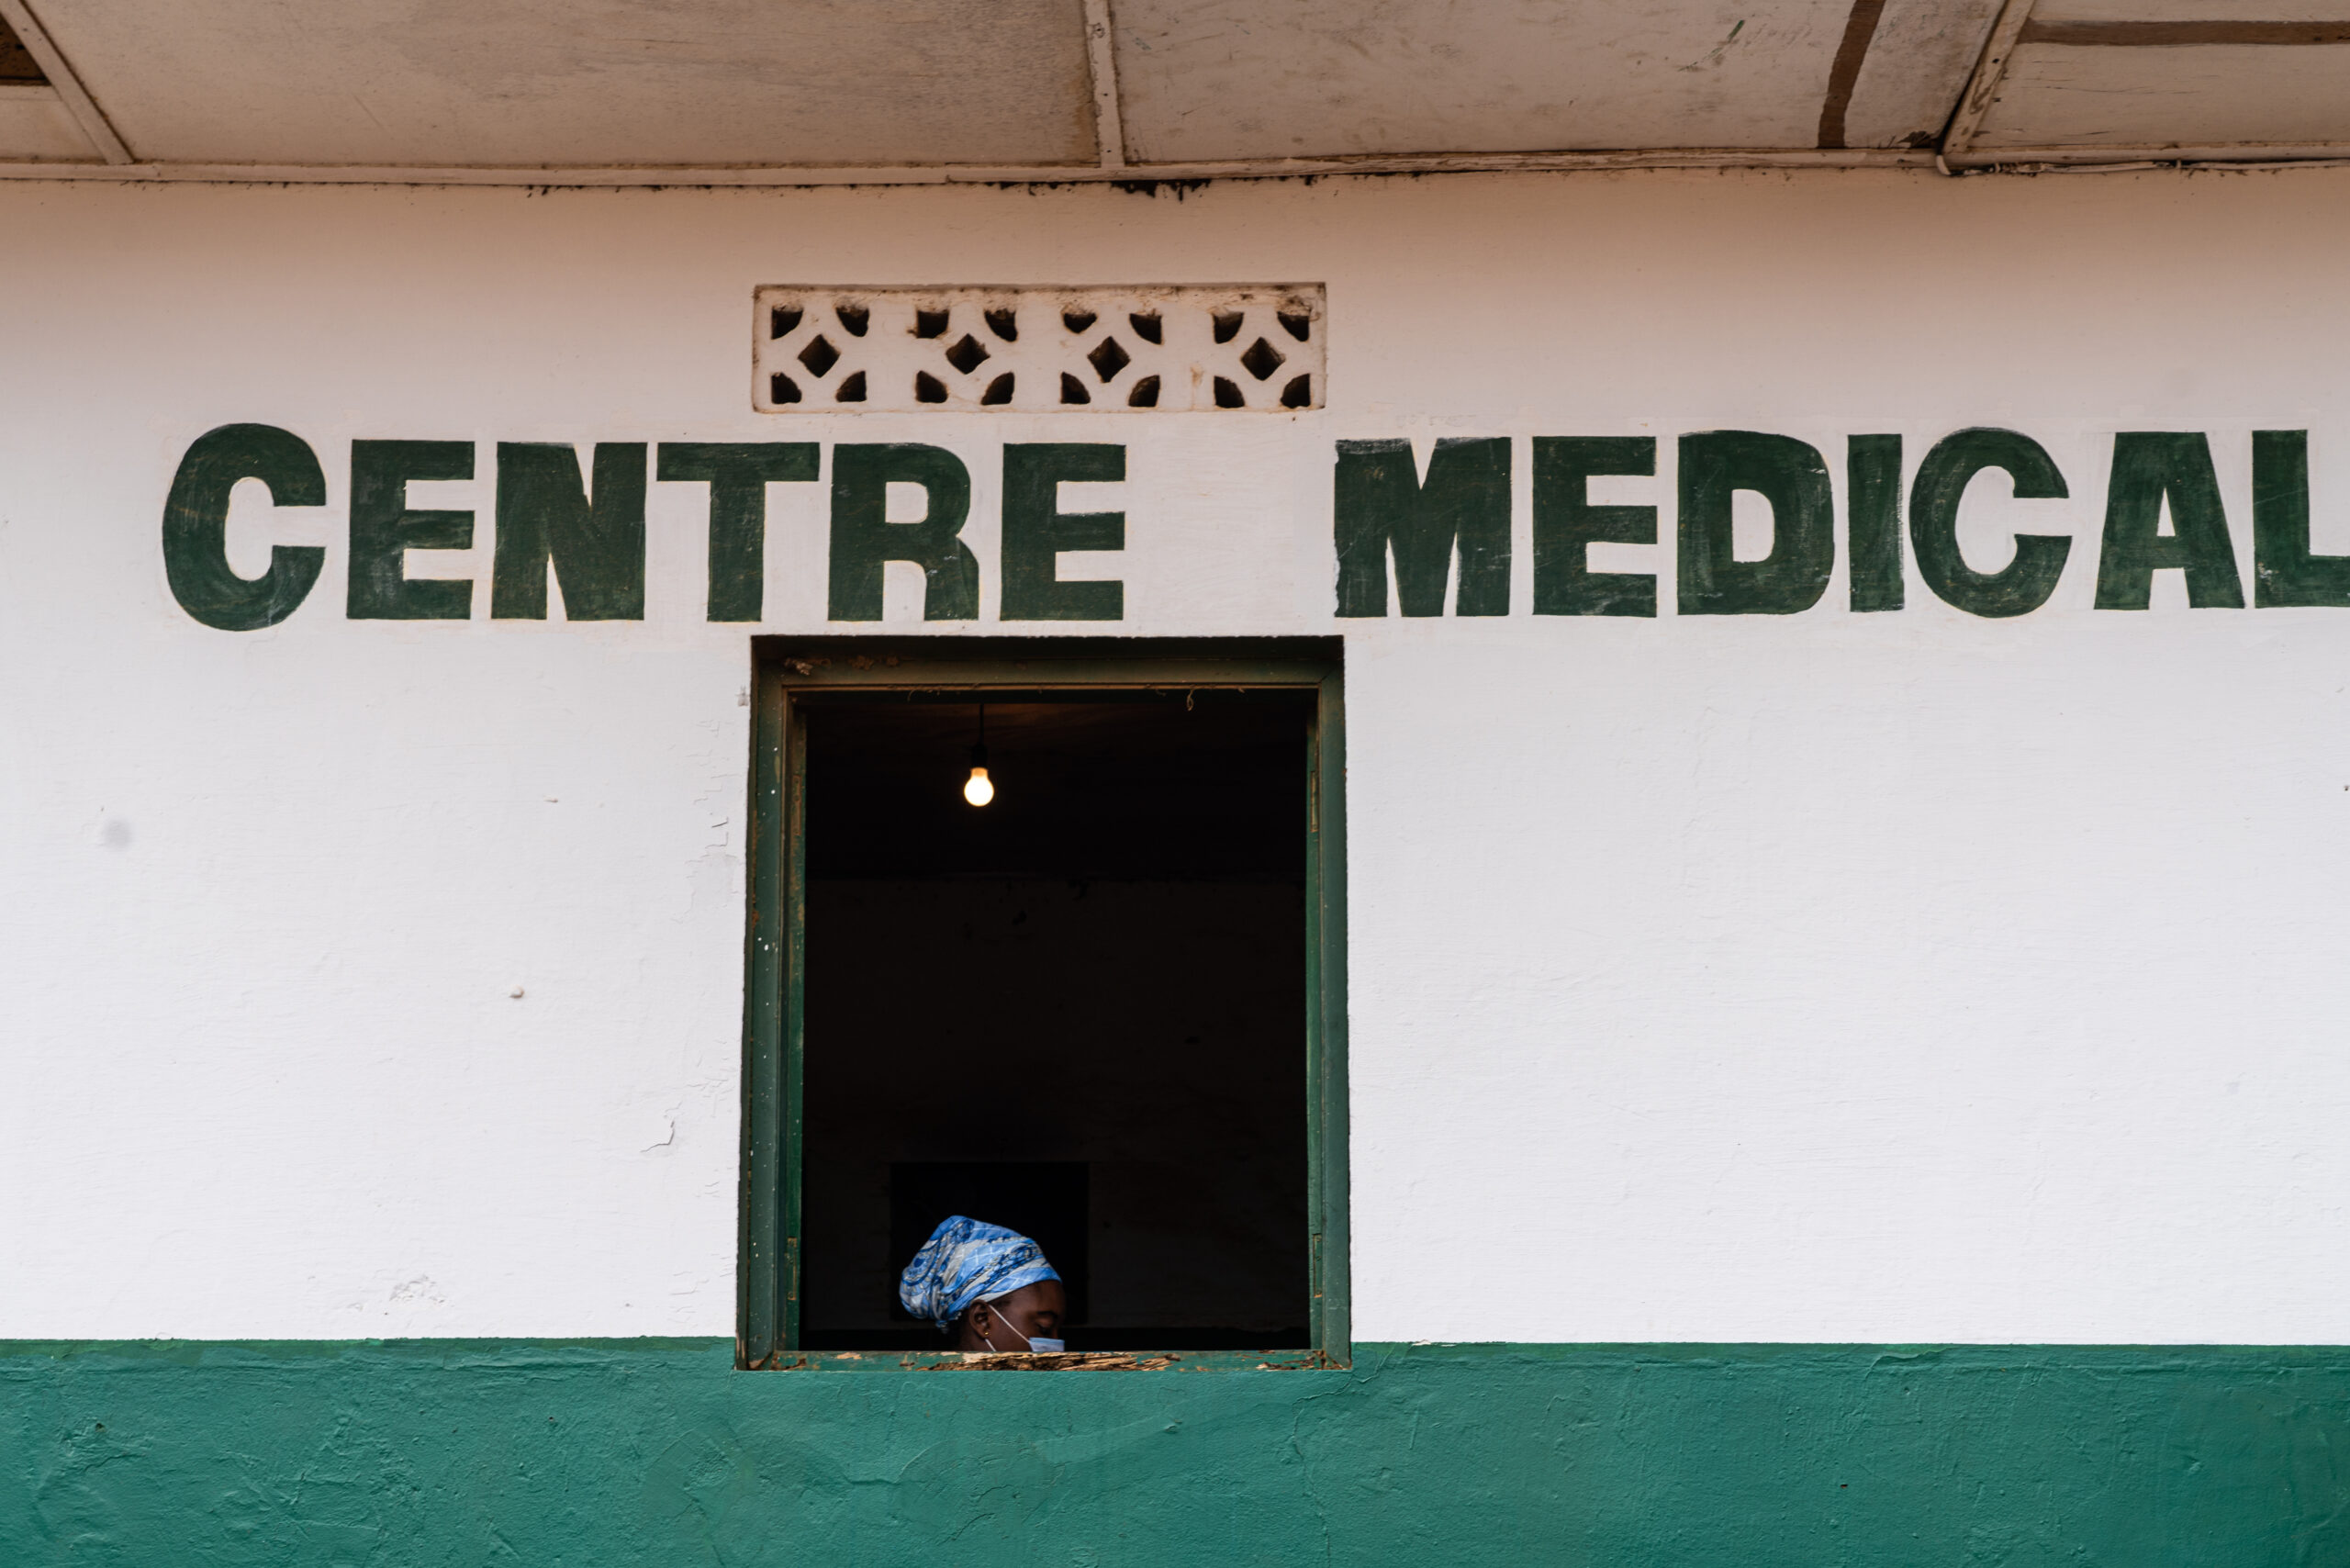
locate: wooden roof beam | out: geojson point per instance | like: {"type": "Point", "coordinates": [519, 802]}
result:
{"type": "Point", "coordinates": [59, 71]}
{"type": "Point", "coordinates": [1983, 88]}
{"type": "Point", "coordinates": [1101, 59]}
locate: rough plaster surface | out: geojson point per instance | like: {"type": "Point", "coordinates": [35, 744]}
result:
{"type": "Point", "coordinates": [1225, 79]}
{"type": "Point", "coordinates": [36, 126]}
{"type": "Point", "coordinates": [1758, 1456]}
{"type": "Point", "coordinates": [1895, 978]}
{"type": "Point", "coordinates": [615, 81]}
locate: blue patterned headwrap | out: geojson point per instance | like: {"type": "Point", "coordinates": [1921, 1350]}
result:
{"type": "Point", "coordinates": [967, 1261]}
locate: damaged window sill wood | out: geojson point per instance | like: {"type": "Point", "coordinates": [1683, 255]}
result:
{"type": "Point", "coordinates": [1069, 1360]}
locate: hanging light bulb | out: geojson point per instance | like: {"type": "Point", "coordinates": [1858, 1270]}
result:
{"type": "Point", "coordinates": [977, 789]}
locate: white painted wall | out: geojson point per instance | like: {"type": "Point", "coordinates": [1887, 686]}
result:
{"type": "Point", "coordinates": [1903, 977]}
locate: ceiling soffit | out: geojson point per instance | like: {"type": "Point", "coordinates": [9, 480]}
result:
{"type": "Point", "coordinates": [619, 91]}
{"type": "Point", "coordinates": [2156, 73]}
{"type": "Point", "coordinates": [585, 82]}
{"type": "Point", "coordinates": [1205, 80]}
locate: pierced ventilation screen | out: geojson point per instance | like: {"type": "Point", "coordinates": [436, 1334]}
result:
{"type": "Point", "coordinates": [822, 350]}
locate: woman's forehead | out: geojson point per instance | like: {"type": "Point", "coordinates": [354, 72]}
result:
{"type": "Point", "coordinates": [1034, 1294]}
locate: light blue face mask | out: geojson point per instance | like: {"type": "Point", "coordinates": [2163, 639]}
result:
{"type": "Point", "coordinates": [1039, 1346]}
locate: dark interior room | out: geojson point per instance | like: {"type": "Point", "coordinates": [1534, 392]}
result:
{"type": "Point", "coordinates": [1078, 1011]}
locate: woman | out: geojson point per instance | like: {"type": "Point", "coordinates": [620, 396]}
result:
{"type": "Point", "coordinates": [991, 1284]}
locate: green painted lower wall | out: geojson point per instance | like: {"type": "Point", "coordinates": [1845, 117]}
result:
{"type": "Point", "coordinates": [611, 1452]}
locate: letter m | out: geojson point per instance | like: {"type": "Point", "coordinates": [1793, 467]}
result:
{"type": "Point", "coordinates": [1382, 505]}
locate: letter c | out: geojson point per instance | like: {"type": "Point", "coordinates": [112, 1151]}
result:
{"type": "Point", "coordinates": [2025, 583]}
{"type": "Point", "coordinates": [195, 526]}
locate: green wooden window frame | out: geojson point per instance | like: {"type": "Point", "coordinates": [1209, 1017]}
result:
{"type": "Point", "coordinates": [785, 670]}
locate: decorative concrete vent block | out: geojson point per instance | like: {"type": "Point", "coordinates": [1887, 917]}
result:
{"type": "Point", "coordinates": [1170, 350]}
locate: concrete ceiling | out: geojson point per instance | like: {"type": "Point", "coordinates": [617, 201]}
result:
{"type": "Point", "coordinates": [773, 91]}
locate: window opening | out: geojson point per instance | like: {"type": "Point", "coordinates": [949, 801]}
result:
{"type": "Point", "coordinates": [1092, 1010]}
{"type": "Point", "coordinates": [1078, 1009]}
